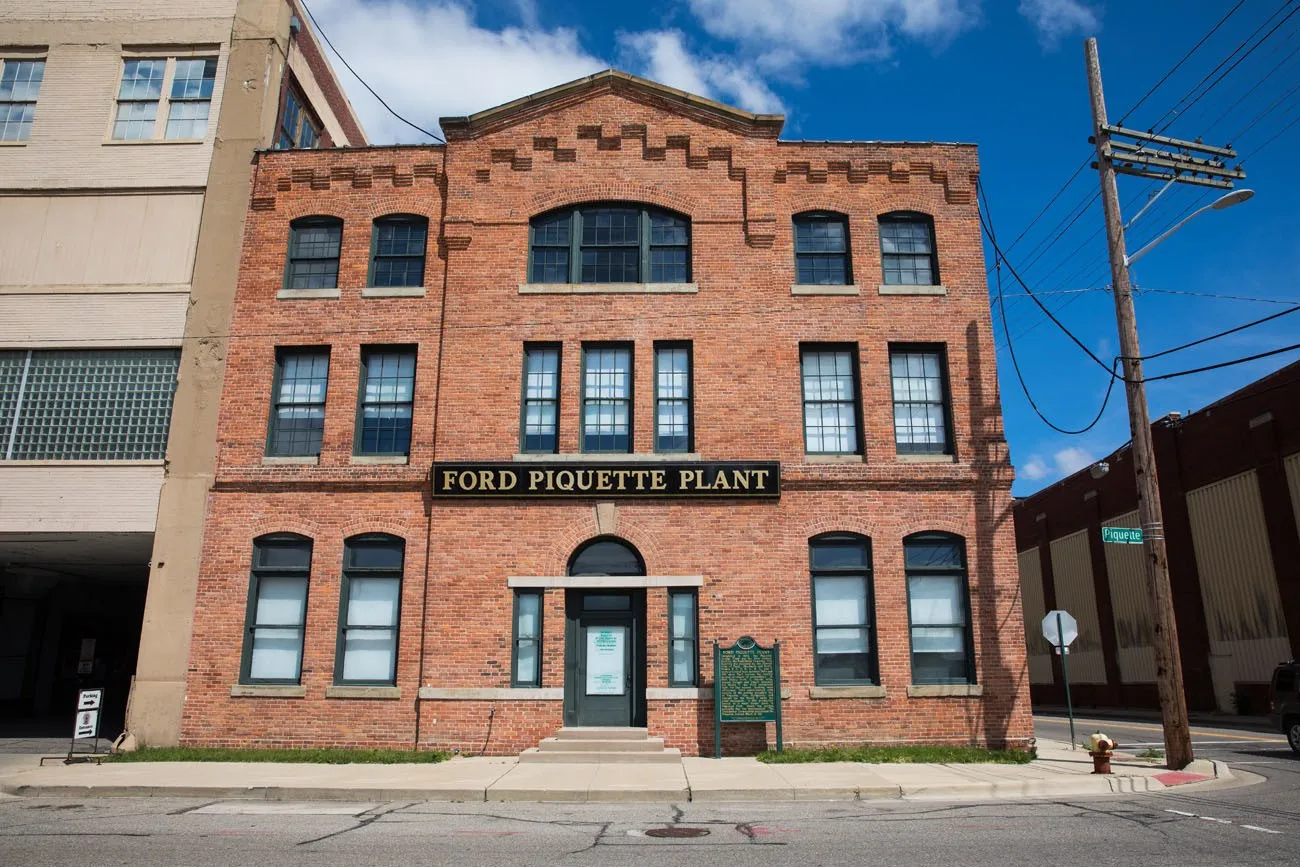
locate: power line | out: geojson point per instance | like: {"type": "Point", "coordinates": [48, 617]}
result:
{"type": "Point", "coordinates": [1219, 334]}
{"type": "Point", "coordinates": [1143, 290]}
{"type": "Point", "coordinates": [357, 76]}
{"type": "Point", "coordinates": [1254, 357]}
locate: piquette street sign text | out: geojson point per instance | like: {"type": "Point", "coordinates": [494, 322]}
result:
{"type": "Point", "coordinates": [573, 480]}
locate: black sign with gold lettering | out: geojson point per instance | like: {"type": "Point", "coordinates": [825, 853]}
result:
{"type": "Point", "coordinates": [622, 479]}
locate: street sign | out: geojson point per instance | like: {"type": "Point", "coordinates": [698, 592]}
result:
{"type": "Point", "coordinates": [1122, 535]}
{"type": "Point", "coordinates": [89, 699]}
{"type": "Point", "coordinates": [87, 725]}
{"type": "Point", "coordinates": [746, 687]}
{"type": "Point", "coordinates": [1060, 629]}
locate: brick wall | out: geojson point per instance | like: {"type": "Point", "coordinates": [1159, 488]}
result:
{"type": "Point", "coordinates": [739, 187]}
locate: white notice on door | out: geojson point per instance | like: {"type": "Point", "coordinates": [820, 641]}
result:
{"type": "Point", "coordinates": [605, 659]}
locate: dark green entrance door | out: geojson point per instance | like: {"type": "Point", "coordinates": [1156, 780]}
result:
{"type": "Point", "coordinates": [604, 682]}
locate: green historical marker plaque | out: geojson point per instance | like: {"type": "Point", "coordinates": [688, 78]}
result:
{"type": "Point", "coordinates": [746, 686]}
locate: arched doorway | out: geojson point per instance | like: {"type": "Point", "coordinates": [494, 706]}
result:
{"type": "Point", "coordinates": [605, 636]}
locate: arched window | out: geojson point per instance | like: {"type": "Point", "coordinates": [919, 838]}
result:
{"type": "Point", "coordinates": [907, 249]}
{"type": "Point", "coordinates": [938, 607]}
{"type": "Point", "coordinates": [821, 249]}
{"type": "Point", "coordinates": [397, 245]}
{"type": "Point", "coordinates": [370, 603]}
{"type": "Point", "coordinates": [313, 253]}
{"type": "Point", "coordinates": [277, 609]}
{"type": "Point", "coordinates": [610, 243]}
{"type": "Point", "coordinates": [844, 617]}
{"type": "Point", "coordinates": [606, 555]}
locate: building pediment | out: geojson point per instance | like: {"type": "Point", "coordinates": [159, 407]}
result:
{"type": "Point", "coordinates": [623, 85]}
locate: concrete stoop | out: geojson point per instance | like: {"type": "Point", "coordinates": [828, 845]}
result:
{"type": "Point", "coordinates": [601, 745]}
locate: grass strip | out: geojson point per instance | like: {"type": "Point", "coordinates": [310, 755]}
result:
{"type": "Point", "coordinates": [899, 755]}
{"type": "Point", "coordinates": [320, 756]}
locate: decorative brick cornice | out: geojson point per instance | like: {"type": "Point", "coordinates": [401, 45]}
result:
{"type": "Point", "coordinates": [896, 172]}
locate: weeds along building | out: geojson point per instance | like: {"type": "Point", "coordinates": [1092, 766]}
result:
{"type": "Point", "coordinates": [515, 428]}
{"type": "Point", "coordinates": [126, 136]}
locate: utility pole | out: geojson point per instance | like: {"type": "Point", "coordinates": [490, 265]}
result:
{"type": "Point", "coordinates": [1147, 160]}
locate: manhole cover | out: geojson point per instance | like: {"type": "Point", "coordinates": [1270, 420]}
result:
{"type": "Point", "coordinates": [677, 831]}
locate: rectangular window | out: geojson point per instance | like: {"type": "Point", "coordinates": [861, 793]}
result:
{"type": "Point", "coordinates": [97, 404]}
{"type": "Point", "coordinates": [526, 658]}
{"type": "Point", "coordinates": [541, 399]}
{"type": "Point", "coordinates": [20, 85]}
{"type": "Point", "coordinates": [142, 93]}
{"type": "Point", "coordinates": [843, 610]}
{"type": "Point", "coordinates": [277, 610]}
{"type": "Point", "coordinates": [830, 399]}
{"type": "Point", "coordinates": [920, 391]}
{"type": "Point", "coordinates": [387, 400]}
{"type": "Point", "coordinates": [298, 128]}
{"type": "Point", "coordinates": [369, 608]}
{"type": "Point", "coordinates": [670, 249]}
{"type": "Point", "coordinates": [398, 256]}
{"type": "Point", "coordinates": [314, 244]}
{"type": "Point", "coordinates": [938, 609]}
{"type": "Point", "coordinates": [673, 397]}
{"type": "Point", "coordinates": [298, 403]}
{"type": "Point", "coordinates": [550, 248]}
{"type": "Point", "coordinates": [821, 249]}
{"type": "Point", "coordinates": [907, 250]}
{"type": "Point", "coordinates": [683, 638]}
{"type": "Point", "coordinates": [611, 245]}
{"type": "Point", "coordinates": [607, 399]}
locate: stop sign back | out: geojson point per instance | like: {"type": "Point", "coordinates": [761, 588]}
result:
{"type": "Point", "coordinates": [1060, 628]}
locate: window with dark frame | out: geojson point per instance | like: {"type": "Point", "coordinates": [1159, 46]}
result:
{"type": "Point", "coordinates": [369, 610]}
{"type": "Point", "coordinates": [277, 609]}
{"type": "Point", "coordinates": [384, 411]}
{"type": "Point", "coordinates": [907, 250]}
{"type": "Point", "coordinates": [610, 244]}
{"type": "Point", "coordinates": [918, 377]}
{"type": "Point", "coordinates": [673, 395]}
{"type": "Point", "coordinates": [539, 418]}
{"type": "Point", "coordinates": [397, 250]}
{"type": "Point", "coordinates": [938, 606]}
{"type": "Point", "coordinates": [314, 253]}
{"type": "Point", "coordinates": [607, 398]}
{"type": "Point", "coordinates": [298, 128]}
{"type": "Point", "coordinates": [821, 249]}
{"type": "Point", "coordinates": [683, 638]}
{"type": "Point", "coordinates": [830, 399]}
{"type": "Point", "coordinates": [20, 85]}
{"type": "Point", "coordinates": [844, 642]}
{"type": "Point", "coordinates": [526, 657]}
{"type": "Point", "coordinates": [298, 402]}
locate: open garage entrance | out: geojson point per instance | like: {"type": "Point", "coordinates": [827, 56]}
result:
{"type": "Point", "coordinates": [71, 606]}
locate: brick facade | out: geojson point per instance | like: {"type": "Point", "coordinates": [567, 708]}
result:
{"type": "Point", "coordinates": [609, 138]}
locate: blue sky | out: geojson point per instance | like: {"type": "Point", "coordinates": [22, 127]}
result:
{"type": "Point", "coordinates": [1008, 75]}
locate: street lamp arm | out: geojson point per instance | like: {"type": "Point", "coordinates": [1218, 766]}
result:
{"type": "Point", "coordinates": [1129, 260]}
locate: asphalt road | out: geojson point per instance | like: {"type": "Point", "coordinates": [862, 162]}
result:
{"type": "Point", "coordinates": [1252, 824]}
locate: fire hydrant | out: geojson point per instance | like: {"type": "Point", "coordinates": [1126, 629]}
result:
{"type": "Point", "coordinates": [1100, 747]}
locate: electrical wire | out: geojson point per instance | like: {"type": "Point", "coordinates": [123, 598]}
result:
{"type": "Point", "coordinates": [1254, 357]}
{"type": "Point", "coordinates": [357, 76]}
{"type": "Point", "coordinates": [1219, 334]}
{"type": "Point", "coordinates": [1217, 296]}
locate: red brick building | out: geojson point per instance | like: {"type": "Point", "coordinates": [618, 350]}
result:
{"type": "Point", "coordinates": [515, 428]}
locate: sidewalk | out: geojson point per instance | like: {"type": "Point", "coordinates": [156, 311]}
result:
{"type": "Point", "coordinates": [1058, 772]}
{"type": "Point", "coordinates": [1209, 720]}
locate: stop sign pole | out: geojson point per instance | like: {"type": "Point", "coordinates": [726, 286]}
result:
{"type": "Point", "coordinates": [1060, 629]}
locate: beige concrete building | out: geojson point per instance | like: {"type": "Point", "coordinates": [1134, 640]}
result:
{"type": "Point", "coordinates": [127, 131]}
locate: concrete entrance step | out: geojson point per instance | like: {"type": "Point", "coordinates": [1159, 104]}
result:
{"type": "Point", "coordinates": [602, 733]}
{"type": "Point", "coordinates": [600, 756]}
{"type": "Point", "coordinates": [577, 745]}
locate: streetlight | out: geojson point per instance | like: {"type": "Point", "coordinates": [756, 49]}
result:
{"type": "Point", "coordinates": [1236, 197]}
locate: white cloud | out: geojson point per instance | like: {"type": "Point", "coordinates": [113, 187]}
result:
{"type": "Point", "coordinates": [785, 34]}
{"type": "Point", "coordinates": [662, 55]}
{"type": "Point", "coordinates": [1055, 19]}
{"type": "Point", "coordinates": [1034, 469]}
{"type": "Point", "coordinates": [1072, 459]}
{"type": "Point", "coordinates": [432, 60]}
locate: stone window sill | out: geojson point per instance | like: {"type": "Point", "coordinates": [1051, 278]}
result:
{"type": "Point", "coordinates": [384, 692]}
{"type": "Point", "coordinates": [393, 292]}
{"type": "Point", "coordinates": [834, 459]}
{"type": "Point", "coordinates": [470, 693]}
{"type": "Point", "coordinates": [945, 690]}
{"type": "Point", "coordinates": [608, 288]}
{"type": "Point", "coordinates": [607, 457]}
{"type": "Point", "coordinates": [113, 142]}
{"type": "Point", "coordinates": [866, 691]}
{"type": "Point", "coordinates": [290, 460]}
{"type": "Point", "coordinates": [268, 690]}
{"type": "Point", "coordinates": [391, 460]}
{"type": "Point", "coordinates": [108, 462]}
{"type": "Point", "coordinates": [672, 693]}
{"type": "Point", "coordinates": [306, 294]}
{"type": "Point", "coordinates": [821, 289]}
{"type": "Point", "coordinates": [913, 290]}
{"type": "Point", "coordinates": [926, 459]}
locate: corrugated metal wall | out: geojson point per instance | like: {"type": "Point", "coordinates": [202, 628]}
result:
{"type": "Point", "coordinates": [1031, 600]}
{"type": "Point", "coordinates": [1246, 625]}
{"type": "Point", "coordinates": [1072, 577]}
{"type": "Point", "coordinates": [1292, 465]}
{"type": "Point", "coordinates": [1131, 602]}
